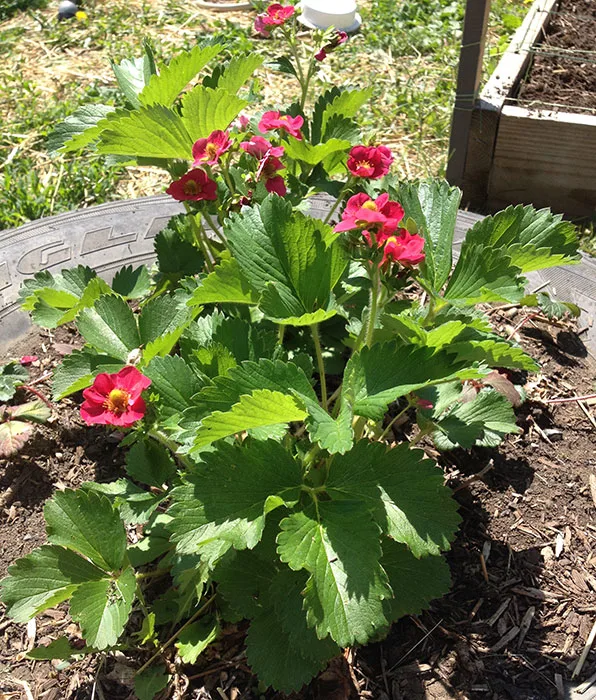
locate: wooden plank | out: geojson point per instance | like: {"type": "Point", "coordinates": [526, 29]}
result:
{"type": "Point", "coordinates": [514, 62]}
{"type": "Point", "coordinates": [546, 159]}
{"type": "Point", "coordinates": [484, 122]}
{"type": "Point", "coordinates": [468, 82]}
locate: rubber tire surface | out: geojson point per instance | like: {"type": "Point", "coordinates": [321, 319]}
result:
{"type": "Point", "coordinates": [109, 236]}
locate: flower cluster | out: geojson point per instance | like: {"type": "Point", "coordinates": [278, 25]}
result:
{"type": "Point", "coordinates": [274, 16]}
{"type": "Point", "coordinates": [379, 221]}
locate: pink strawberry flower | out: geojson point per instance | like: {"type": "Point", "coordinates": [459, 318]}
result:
{"type": "Point", "coordinates": [210, 149]}
{"type": "Point", "coordinates": [363, 212]}
{"type": "Point", "coordinates": [371, 162]}
{"type": "Point", "coordinates": [115, 399]}
{"type": "Point", "coordinates": [276, 14]}
{"type": "Point", "coordinates": [273, 120]}
{"type": "Point", "coordinates": [195, 186]}
{"type": "Point", "coordinates": [259, 147]}
{"type": "Point", "coordinates": [404, 248]}
{"type": "Point", "coordinates": [339, 39]}
{"type": "Point", "coordinates": [267, 171]}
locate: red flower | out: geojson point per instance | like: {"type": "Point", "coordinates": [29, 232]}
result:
{"type": "Point", "coordinates": [405, 248]}
{"type": "Point", "coordinates": [363, 212]}
{"type": "Point", "coordinates": [26, 360]}
{"type": "Point", "coordinates": [209, 150]}
{"type": "Point", "coordinates": [273, 120]}
{"type": "Point", "coordinates": [260, 147]}
{"type": "Point", "coordinates": [369, 161]}
{"type": "Point", "coordinates": [115, 399]}
{"type": "Point", "coordinates": [339, 39]}
{"type": "Point", "coordinates": [195, 185]}
{"type": "Point", "coordinates": [277, 14]}
{"type": "Point", "coordinates": [261, 27]}
{"type": "Point", "coordinates": [268, 168]}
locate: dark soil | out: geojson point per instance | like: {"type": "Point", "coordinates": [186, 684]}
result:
{"type": "Point", "coordinates": [563, 71]}
{"type": "Point", "coordinates": [523, 600]}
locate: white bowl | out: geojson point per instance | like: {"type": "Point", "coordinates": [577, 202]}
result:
{"type": "Point", "coordinates": [322, 14]}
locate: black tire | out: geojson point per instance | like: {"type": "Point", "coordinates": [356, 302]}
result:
{"type": "Point", "coordinates": [109, 236]}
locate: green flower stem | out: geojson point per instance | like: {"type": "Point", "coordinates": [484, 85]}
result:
{"type": "Point", "coordinates": [172, 446]}
{"type": "Point", "coordinates": [320, 364]}
{"type": "Point", "coordinates": [393, 421]}
{"type": "Point", "coordinates": [199, 237]}
{"type": "Point", "coordinates": [344, 190]}
{"type": "Point", "coordinates": [225, 171]}
{"type": "Point", "coordinates": [281, 331]}
{"type": "Point", "coordinates": [214, 228]}
{"type": "Point", "coordinates": [173, 638]}
{"type": "Point", "coordinates": [373, 306]}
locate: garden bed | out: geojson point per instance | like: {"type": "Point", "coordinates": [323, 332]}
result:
{"type": "Point", "coordinates": [524, 556]}
{"type": "Point", "coordinates": [533, 134]}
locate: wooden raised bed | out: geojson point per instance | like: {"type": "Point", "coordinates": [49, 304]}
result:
{"type": "Point", "coordinates": [502, 153]}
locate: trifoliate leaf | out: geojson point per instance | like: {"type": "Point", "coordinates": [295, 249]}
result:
{"type": "Point", "coordinates": [134, 504]}
{"type": "Point", "coordinates": [79, 129]}
{"type": "Point", "coordinates": [282, 650]}
{"type": "Point", "coordinates": [150, 463]}
{"type": "Point", "coordinates": [381, 374]}
{"type": "Point", "coordinates": [332, 434]}
{"type": "Point", "coordinates": [175, 255]}
{"type": "Point", "coordinates": [346, 103]}
{"type": "Point", "coordinates": [102, 608]}
{"type": "Point", "coordinates": [132, 283]}
{"type": "Point", "coordinates": [148, 132]}
{"type": "Point", "coordinates": [87, 523]}
{"type": "Point", "coordinates": [494, 352]}
{"type": "Point", "coordinates": [43, 579]}
{"type": "Point", "coordinates": [132, 74]}
{"type": "Point", "coordinates": [164, 88]}
{"type": "Point", "coordinates": [415, 582]}
{"type": "Point", "coordinates": [283, 255]}
{"type": "Point", "coordinates": [163, 315]}
{"type": "Point", "coordinates": [484, 421]}
{"type": "Point", "coordinates": [174, 381]}
{"type": "Point", "coordinates": [58, 649]}
{"type": "Point", "coordinates": [238, 71]}
{"type": "Point", "coordinates": [35, 411]}
{"type": "Point", "coordinates": [484, 274]}
{"type": "Point", "coordinates": [110, 327]}
{"type": "Point", "coordinates": [230, 494]}
{"type": "Point", "coordinates": [151, 682]}
{"type": "Point", "coordinates": [12, 375]}
{"type": "Point", "coordinates": [259, 409]}
{"type": "Point", "coordinates": [552, 308]}
{"type": "Point", "coordinates": [532, 239]}
{"type": "Point", "coordinates": [226, 284]}
{"type": "Point", "coordinates": [194, 639]}
{"type": "Point", "coordinates": [78, 369]}
{"type": "Point", "coordinates": [404, 491]}
{"type": "Point", "coordinates": [433, 205]}
{"type": "Point", "coordinates": [13, 435]}
{"type": "Point", "coordinates": [313, 155]}
{"type": "Point", "coordinates": [338, 544]}
{"type": "Point", "coordinates": [275, 375]}
{"type": "Point", "coordinates": [205, 110]}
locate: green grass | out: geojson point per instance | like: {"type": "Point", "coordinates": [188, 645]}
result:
{"type": "Point", "coordinates": [408, 51]}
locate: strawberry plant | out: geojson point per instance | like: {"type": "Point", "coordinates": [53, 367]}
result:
{"type": "Point", "coordinates": [275, 372]}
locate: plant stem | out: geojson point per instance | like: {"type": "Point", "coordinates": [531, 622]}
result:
{"type": "Point", "coordinates": [391, 424]}
{"type": "Point", "coordinates": [199, 239]}
{"type": "Point", "coordinates": [214, 228]}
{"type": "Point", "coordinates": [281, 331]}
{"type": "Point", "coordinates": [173, 447]}
{"type": "Point", "coordinates": [373, 304]}
{"type": "Point", "coordinates": [320, 364]}
{"type": "Point", "coordinates": [35, 392]}
{"type": "Point", "coordinates": [173, 638]}
{"type": "Point", "coordinates": [339, 200]}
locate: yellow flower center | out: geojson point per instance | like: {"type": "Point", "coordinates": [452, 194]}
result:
{"type": "Point", "coordinates": [364, 164]}
{"type": "Point", "coordinates": [370, 205]}
{"type": "Point", "coordinates": [191, 187]}
{"type": "Point", "coordinates": [117, 401]}
{"type": "Point", "coordinates": [211, 150]}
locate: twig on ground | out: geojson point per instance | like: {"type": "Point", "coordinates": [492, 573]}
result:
{"type": "Point", "coordinates": [418, 643]}
{"type": "Point", "coordinates": [584, 655]}
{"type": "Point", "coordinates": [475, 477]}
